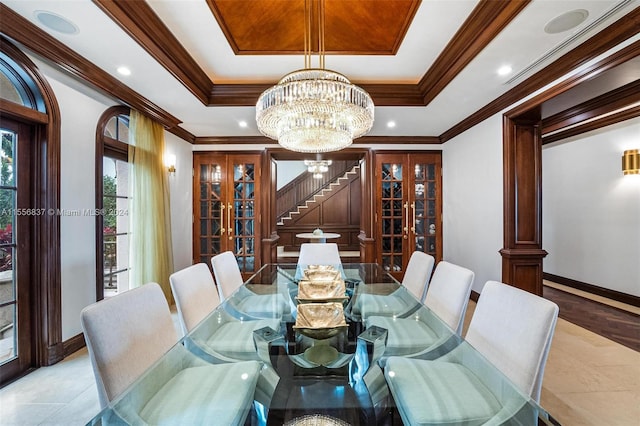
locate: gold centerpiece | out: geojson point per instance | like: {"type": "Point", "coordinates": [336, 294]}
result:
{"type": "Point", "coordinates": [320, 320]}
{"type": "Point", "coordinates": [321, 291]}
{"type": "Point", "coordinates": [321, 273]}
{"type": "Point", "coordinates": [321, 283]}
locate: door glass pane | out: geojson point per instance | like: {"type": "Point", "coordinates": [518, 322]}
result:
{"type": "Point", "coordinates": [424, 210]}
{"type": "Point", "coordinates": [8, 194]}
{"type": "Point", "coordinates": [212, 211]}
{"type": "Point", "coordinates": [7, 284]}
{"type": "Point", "coordinates": [8, 342]}
{"type": "Point", "coordinates": [243, 223]}
{"type": "Point", "coordinates": [115, 231]}
{"type": "Point", "coordinates": [392, 215]}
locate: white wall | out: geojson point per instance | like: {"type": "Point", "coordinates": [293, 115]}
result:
{"type": "Point", "coordinates": [288, 171]}
{"type": "Point", "coordinates": [79, 117]}
{"type": "Point", "coordinates": [472, 200]}
{"type": "Point", "coordinates": [181, 196]}
{"type": "Point", "coordinates": [591, 212]}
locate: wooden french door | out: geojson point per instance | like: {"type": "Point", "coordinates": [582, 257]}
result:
{"type": "Point", "coordinates": [16, 216]}
{"type": "Point", "coordinates": [226, 208]}
{"type": "Point", "coordinates": [408, 208]}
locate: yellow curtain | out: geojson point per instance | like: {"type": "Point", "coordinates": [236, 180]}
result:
{"type": "Point", "coordinates": [150, 249]}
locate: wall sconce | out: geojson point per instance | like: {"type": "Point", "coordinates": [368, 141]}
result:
{"type": "Point", "coordinates": [631, 162]}
{"type": "Point", "coordinates": [170, 163]}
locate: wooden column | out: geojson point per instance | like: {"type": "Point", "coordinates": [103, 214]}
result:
{"type": "Point", "coordinates": [522, 253]}
{"type": "Point", "coordinates": [367, 210]}
{"type": "Point", "coordinates": [267, 218]}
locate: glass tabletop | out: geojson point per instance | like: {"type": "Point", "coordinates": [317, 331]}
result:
{"type": "Point", "coordinates": [339, 370]}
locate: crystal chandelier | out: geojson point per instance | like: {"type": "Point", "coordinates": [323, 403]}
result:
{"type": "Point", "coordinates": [314, 109]}
{"type": "Point", "coordinates": [317, 167]}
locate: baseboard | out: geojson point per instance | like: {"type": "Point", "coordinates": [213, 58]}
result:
{"type": "Point", "coordinates": [629, 299]}
{"type": "Point", "coordinates": [474, 296]}
{"type": "Point", "coordinates": [73, 344]}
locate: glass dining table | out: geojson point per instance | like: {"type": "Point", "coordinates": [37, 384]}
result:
{"type": "Point", "coordinates": [327, 372]}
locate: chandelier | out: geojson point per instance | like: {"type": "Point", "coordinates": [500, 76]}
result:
{"type": "Point", "coordinates": [314, 109]}
{"type": "Point", "coordinates": [317, 167]}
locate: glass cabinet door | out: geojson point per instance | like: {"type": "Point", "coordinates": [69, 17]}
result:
{"type": "Point", "coordinates": [408, 206]}
{"type": "Point", "coordinates": [242, 216]}
{"type": "Point", "coordinates": [226, 216]}
{"type": "Point", "coordinates": [425, 214]}
{"type": "Point", "coordinates": [392, 214]}
{"type": "Point", "coordinates": [211, 227]}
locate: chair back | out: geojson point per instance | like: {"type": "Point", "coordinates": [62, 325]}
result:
{"type": "Point", "coordinates": [319, 254]}
{"type": "Point", "coordinates": [513, 329]}
{"type": "Point", "coordinates": [195, 294]}
{"type": "Point", "coordinates": [448, 293]}
{"type": "Point", "coordinates": [416, 276]}
{"type": "Point", "coordinates": [125, 335]}
{"type": "Point", "coordinates": [227, 273]}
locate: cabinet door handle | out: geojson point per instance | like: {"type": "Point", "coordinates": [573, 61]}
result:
{"type": "Point", "coordinates": [229, 229]}
{"type": "Point", "coordinates": [406, 217]}
{"type": "Point", "coordinates": [413, 209]}
{"type": "Point", "coordinates": [223, 230]}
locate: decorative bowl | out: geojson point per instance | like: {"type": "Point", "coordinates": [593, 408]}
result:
{"type": "Point", "coordinates": [320, 320]}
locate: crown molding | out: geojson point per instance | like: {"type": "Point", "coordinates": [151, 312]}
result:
{"type": "Point", "coordinates": [365, 140]}
{"type": "Point", "coordinates": [143, 25]}
{"type": "Point", "coordinates": [24, 32]}
{"type": "Point", "coordinates": [616, 33]}
{"type": "Point", "coordinates": [604, 104]}
{"type": "Point", "coordinates": [595, 124]}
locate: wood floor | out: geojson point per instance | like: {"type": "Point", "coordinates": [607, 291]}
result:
{"type": "Point", "coordinates": [611, 322]}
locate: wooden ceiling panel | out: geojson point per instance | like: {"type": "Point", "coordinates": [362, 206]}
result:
{"type": "Point", "coordinates": [277, 26]}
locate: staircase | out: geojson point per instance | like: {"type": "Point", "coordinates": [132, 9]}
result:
{"type": "Point", "coordinates": [320, 195]}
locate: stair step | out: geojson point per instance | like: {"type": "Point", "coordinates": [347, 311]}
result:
{"type": "Point", "coordinates": [354, 170]}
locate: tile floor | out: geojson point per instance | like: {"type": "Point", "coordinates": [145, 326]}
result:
{"type": "Point", "coordinates": [589, 380]}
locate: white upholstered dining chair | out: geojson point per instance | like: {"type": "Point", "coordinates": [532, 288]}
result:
{"type": "Point", "coordinates": [416, 277]}
{"type": "Point", "coordinates": [415, 280]}
{"type": "Point", "coordinates": [128, 333]}
{"type": "Point", "coordinates": [229, 280]}
{"type": "Point", "coordinates": [223, 338]}
{"type": "Point", "coordinates": [227, 273]}
{"type": "Point", "coordinates": [319, 254]}
{"type": "Point", "coordinates": [448, 293]}
{"type": "Point", "coordinates": [447, 297]}
{"type": "Point", "coordinates": [195, 294]}
{"type": "Point", "coordinates": [512, 330]}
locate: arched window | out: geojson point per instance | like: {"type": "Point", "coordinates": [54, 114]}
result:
{"type": "Point", "coordinates": [30, 295]}
{"type": "Point", "coordinates": [112, 200]}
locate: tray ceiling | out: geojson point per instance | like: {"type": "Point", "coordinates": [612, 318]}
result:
{"type": "Point", "coordinates": [427, 64]}
{"type": "Point", "coordinates": [277, 27]}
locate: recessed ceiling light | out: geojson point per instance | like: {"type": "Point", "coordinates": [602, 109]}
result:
{"type": "Point", "coordinates": [122, 70]}
{"type": "Point", "coordinates": [56, 22]}
{"type": "Point", "coordinates": [391, 124]}
{"type": "Point", "coordinates": [505, 70]}
{"type": "Point", "coordinates": [566, 21]}
{"type": "Point", "coordinates": [242, 124]}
